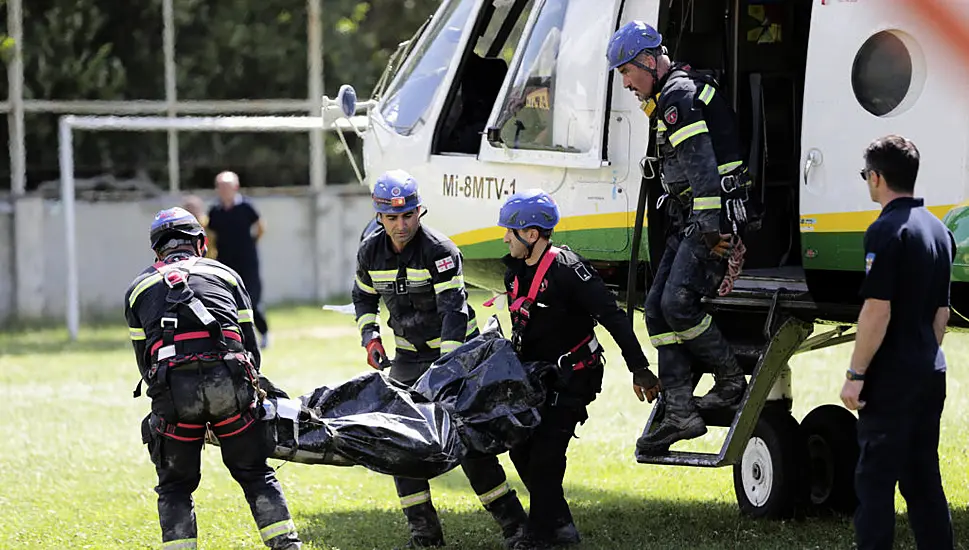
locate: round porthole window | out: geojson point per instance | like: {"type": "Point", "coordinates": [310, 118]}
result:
{"type": "Point", "coordinates": [883, 75]}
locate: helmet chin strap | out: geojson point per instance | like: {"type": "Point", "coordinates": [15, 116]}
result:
{"type": "Point", "coordinates": [528, 246]}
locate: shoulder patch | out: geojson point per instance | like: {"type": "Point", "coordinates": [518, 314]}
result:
{"type": "Point", "coordinates": [869, 259]}
{"type": "Point", "coordinates": [444, 264]}
{"type": "Point", "coordinates": [582, 272]}
{"type": "Point", "coordinates": [671, 115]}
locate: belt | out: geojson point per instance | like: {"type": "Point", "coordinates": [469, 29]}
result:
{"type": "Point", "coordinates": [587, 348]}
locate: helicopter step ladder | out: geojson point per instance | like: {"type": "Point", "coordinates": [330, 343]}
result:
{"type": "Point", "coordinates": [790, 337]}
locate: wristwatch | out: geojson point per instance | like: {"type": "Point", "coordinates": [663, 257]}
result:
{"type": "Point", "coordinates": [852, 375]}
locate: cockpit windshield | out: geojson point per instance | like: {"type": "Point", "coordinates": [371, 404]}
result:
{"type": "Point", "coordinates": [407, 102]}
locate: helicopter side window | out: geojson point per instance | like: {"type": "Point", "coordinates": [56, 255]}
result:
{"type": "Point", "coordinates": [526, 117]}
{"type": "Point", "coordinates": [412, 92]}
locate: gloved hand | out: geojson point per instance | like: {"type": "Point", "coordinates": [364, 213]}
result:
{"type": "Point", "coordinates": [376, 356]}
{"type": "Point", "coordinates": [645, 384]}
{"type": "Point", "coordinates": [720, 245]}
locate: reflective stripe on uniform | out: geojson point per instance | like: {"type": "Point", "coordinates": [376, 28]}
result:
{"type": "Point", "coordinates": [364, 286]}
{"type": "Point", "coordinates": [434, 344]}
{"type": "Point", "coordinates": [180, 544]}
{"type": "Point", "coordinates": [383, 276]}
{"type": "Point", "coordinates": [699, 329]}
{"type": "Point", "coordinates": [143, 286]}
{"type": "Point", "coordinates": [415, 499]}
{"type": "Point", "coordinates": [664, 339]}
{"type": "Point", "coordinates": [448, 346]}
{"type": "Point", "coordinates": [217, 271]}
{"type": "Point", "coordinates": [245, 315]}
{"type": "Point", "coordinates": [418, 275]}
{"type": "Point", "coordinates": [729, 167]}
{"type": "Point", "coordinates": [402, 343]}
{"type": "Point", "coordinates": [687, 132]}
{"type": "Point", "coordinates": [660, 126]}
{"type": "Point", "coordinates": [707, 94]}
{"type": "Point", "coordinates": [276, 529]}
{"type": "Point", "coordinates": [366, 319]}
{"type": "Point", "coordinates": [472, 326]}
{"type": "Point", "coordinates": [136, 333]}
{"type": "Point", "coordinates": [494, 494]}
{"type": "Point", "coordinates": [455, 282]}
{"type": "Point", "coordinates": [706, 203]}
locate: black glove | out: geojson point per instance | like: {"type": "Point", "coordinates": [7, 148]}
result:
{"type": "Point", "coordinates": [645, 384]}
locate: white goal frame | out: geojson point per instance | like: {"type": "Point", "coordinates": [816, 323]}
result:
{"type": "Point", "coordinates": [68, 123]}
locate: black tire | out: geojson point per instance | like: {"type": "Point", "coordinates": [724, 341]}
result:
{"type": "Point", "coordinates": [831, 437]}
{"type": "Point", "coordinates": [769, 480]}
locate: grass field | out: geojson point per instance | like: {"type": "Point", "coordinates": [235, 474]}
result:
{"type": "Point", "coordinates": [74, 474]}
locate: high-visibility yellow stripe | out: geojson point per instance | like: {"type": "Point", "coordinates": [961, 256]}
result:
{"type": "Point", "coordinates": [455, 282]}
{"type": "Point", "coordinates": [364, 286]}
{"type": "Point", "coordinates": [693, 332]}
{"type": "Point", "coordinates": [276, 529]}
{"type": "Point", "coordinates": [418, 275]}
{"type": "Point", "coordinates": [706, 203]}
{"type": "Point", "coordinates": [434, 344]}
{"type": "Point", "coordinates": [366, 319]}
{"type": "Point", "coordinates": [415, 499]}
{"type": "Point", "coordinates": [217, 271]}
{"type": "Point", "coordinates": [383, 276]}
{"type": "Point", "coordinates": [687, 132]}
{"type": "Point", "coordinates": [729, 167]}
{"type": "Point", "coordinates": [665, 339]}
{"type": "Point", "coordinates": [144, 285]}
{"type": "Point", "coordinates": [448, 346]}
{"type": "Point", "coordinates": [136, 333]}
{"type": "Point", "coordinates": [402, 343]}
{"type": "Point", "coordinates": [707, 94]}
{"type": "Point", "coordinates": [472, 326]}
{"type": "Point", "coordinates": [180, 544]}
{"type": "Point", "coordinates": [245, 315]}
{"type": "Point", "coordinates": [494, 494]}
{"type": "Point", "coordinates": [660, 126]}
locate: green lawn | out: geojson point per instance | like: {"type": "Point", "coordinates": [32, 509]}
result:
{"type": "Point", "coordinates": [74, 474]}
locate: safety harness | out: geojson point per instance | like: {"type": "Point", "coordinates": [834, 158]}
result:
{"type": "Point", "coordinates": [586, 354]}
{"type": "Point", "coordinates": [181, 349]}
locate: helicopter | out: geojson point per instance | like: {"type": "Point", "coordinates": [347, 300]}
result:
{"type": "Point", "coordinates": [494, 96]}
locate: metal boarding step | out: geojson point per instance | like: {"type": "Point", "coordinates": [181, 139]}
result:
{"type": "Point", "coordinates": [766, 288]}
{"type": "Point", "coordinates": [784, 343]}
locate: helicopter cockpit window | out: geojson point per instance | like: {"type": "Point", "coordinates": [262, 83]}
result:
{"type": "Point", "coordinates": [410, 96]}
{"type": "Point", "coordinates": [526, 117]}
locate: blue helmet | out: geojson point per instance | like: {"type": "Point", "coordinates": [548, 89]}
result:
{"type": "Point", "coordinates": [395, 192]}
{"type": "Point", "coordinates": [529, 208]}
{"type": "Point", "coordinates": [172, 223]}
{"type": "Point", "coordinates": [631, 39]}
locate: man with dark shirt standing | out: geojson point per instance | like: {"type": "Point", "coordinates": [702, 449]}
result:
{"type": "Point", "coordinates": [896, 380]}
{"type": "Point", "coordinates": [237, 227]}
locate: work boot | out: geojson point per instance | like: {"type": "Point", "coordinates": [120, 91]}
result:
{"type": "Point", "coordinates": [508, 512]}
{"type": "Point", "coordinates": [425, 527]}
{"type": "Point", "coordinates": [565, 535]}
{"type": "Point", "coordinates": [726, 392]}
{"type": "Point", "coordinates": [680, 421]}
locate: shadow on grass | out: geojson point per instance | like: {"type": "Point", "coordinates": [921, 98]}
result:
{"type": "Point", "coordinates": [610, 520]}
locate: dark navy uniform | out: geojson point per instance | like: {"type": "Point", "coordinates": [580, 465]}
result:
{"type": "Point", "coordinates": [908, 257]}
{"type": "Point", "coordinates": [423, 290]}
{"type": "Point", "coordinates": [190, 322]}
{"type": "Point", "coordinates": [706, 185]}
{"type": "Point", "coordinates": [236, 248]}
{"type": "Point", "coordinates": [570, 300]}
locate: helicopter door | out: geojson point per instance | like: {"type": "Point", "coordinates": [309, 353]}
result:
{"type": "Point", "coordinates": [553, 107]}
{"type": "Point", "coordinates": [867, 68]}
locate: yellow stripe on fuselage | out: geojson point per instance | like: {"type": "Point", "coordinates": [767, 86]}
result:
{"type": "Point", "coordinates": [585, 222]}
{"type": "Point", "coordinates": [852, 222]}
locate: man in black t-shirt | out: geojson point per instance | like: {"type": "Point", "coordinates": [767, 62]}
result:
{"type": "Point", "coordinates": [896, 380]}
{"type": "Point", "coordinates": [237, 227]}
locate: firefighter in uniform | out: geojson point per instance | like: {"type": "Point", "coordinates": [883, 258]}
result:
{"type": "Point", "coordinates": [555, 299]}
{"type": "Point", "coordinates": [418, 273]}
{"type": "Point", "coordinates": [708, 199]}
{"type": "Point", "coordinates": [190, 320]}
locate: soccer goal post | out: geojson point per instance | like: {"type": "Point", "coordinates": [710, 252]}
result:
{"type": "Point", "coordinates": [68, 123]}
